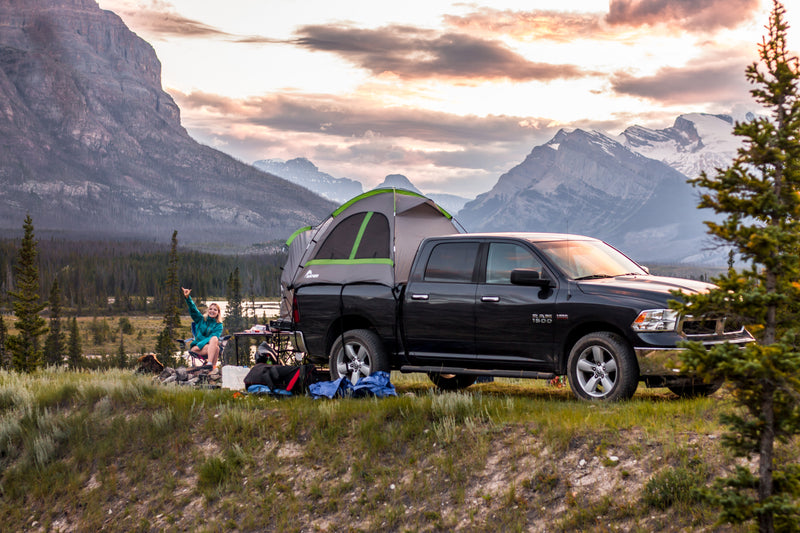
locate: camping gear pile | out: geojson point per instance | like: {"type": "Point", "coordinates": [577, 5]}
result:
{"type": "Point", "coordinates": [195, 375]}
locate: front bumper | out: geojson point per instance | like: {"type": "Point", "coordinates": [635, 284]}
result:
{"type": "Point", "coordinates": [665, 362]}
{"type": "Point", "coordinates": [658, 361]}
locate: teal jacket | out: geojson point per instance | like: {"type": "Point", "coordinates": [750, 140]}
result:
{"type": "Point", "coordinates": [204, 328]}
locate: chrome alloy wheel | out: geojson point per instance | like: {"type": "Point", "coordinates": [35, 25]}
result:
{"type": "Point", "coordinates": [596, 371]}
{"type": "Point", "coordinates": [354, 361]}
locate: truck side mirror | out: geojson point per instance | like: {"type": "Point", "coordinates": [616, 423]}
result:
{"type": "Point", "coordinates": [528, 276]}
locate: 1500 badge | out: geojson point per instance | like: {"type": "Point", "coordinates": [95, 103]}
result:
{"type": "Point", "coordinates": [542, 318]}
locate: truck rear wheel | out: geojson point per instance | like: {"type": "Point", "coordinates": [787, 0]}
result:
{"type": "Point", "coordinates": [451, 381]}
{"type": "Point", "coordinates": [362, 355]}
{"type": "Point", "coordinates": [602, 367]}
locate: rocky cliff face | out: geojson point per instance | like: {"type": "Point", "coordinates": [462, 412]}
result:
{"type": "Point", "coordinates": [90, 143]}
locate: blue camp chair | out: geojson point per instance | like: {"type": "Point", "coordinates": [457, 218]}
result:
{"type": "Point", "coordinates": [195, 357]}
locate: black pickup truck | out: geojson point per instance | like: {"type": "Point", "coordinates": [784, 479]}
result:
{"type": "Point", "coordinates": [525, 305]}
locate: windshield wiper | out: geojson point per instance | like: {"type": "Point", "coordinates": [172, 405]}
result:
{"type": "Point", "coordinates": [594, 276]}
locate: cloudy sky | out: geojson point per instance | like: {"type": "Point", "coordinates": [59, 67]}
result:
{"type": "Point", "coordinates": [451, 94]}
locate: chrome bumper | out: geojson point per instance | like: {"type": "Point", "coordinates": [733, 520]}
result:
{"type": "Point", "coordinates": [658, 361]}
{"type": "Point", "coordinates": [667, 361]}
{"type": "Point", "coordinates": [298, 341]}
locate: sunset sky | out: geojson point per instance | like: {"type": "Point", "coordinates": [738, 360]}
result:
{"type": "Point", "coordinates": [450, 94]}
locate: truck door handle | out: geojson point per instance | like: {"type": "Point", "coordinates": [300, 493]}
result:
{"type": "Point", "coordinates": [490, 298]}
{"type": "Point", "coordinates": [419, 296]}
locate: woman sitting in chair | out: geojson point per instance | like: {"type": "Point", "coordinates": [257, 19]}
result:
{"type": "Point", "coordinates": [208, 330]}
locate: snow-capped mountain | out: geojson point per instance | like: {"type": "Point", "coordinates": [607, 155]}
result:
{"type": "Point", "coordinates": [303, 172]}
{"type": "Point", "coordinates": [629, 190]}
{"type": "Point", "coordinates": [696, 142]}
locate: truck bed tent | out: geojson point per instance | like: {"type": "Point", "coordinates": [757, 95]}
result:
{"type": "Point", "coordinates": [371, 238]}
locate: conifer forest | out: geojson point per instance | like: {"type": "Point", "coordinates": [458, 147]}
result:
{"type": "Point", "coordinates": [131, 276]}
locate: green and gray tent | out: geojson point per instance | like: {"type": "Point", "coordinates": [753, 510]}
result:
{"type": "Point", "coordinates": [370, 239]}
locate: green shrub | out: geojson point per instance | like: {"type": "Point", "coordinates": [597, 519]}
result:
{"type": "Point", "coordinates": [673, 486]}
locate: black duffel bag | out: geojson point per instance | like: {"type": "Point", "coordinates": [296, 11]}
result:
{"type": "Point", "coordinates": [294, 379]}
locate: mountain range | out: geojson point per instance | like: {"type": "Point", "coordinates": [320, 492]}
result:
{"type": "Point", "coordinates": [90, 144]}
{"type": "Point", "coordinates": [305, 173]}
{"type": "Point", "coordinates": [629, 189]}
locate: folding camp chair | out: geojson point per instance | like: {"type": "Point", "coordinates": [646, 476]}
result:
{"type": "Point", "coordinates": [193, 357]}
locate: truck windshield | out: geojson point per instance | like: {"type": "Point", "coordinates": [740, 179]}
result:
{"type": "Point", "coordinates": [588, 259]}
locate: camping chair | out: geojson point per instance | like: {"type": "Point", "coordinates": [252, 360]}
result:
{"type": "Point", "coordinates": [199, 358]}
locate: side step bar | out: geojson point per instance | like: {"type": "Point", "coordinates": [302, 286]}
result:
{"type": "Point", "coordinates": [522, 374]}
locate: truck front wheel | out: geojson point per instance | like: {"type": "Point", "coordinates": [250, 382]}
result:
{"type": "Point", "coordinates": [601, 366]}
{"type": "Point", "coordinates": [362, 355]}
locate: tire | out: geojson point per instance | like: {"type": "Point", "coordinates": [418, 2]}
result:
{"type": "Point", "coordinates": [696, 389]}
{"type": "Point", "coordinates": [363, 354]}
{"type": "Point", "coordinates": [451, 381]}
{"type": "Point", "coordinates": [602, 367]}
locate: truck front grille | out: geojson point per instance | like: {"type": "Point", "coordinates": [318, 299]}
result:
{"type": "Point", "coordinates": [705, 327]}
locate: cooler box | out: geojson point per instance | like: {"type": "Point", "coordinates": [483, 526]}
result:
{"type": "Point", "coordinates": [233, 376]}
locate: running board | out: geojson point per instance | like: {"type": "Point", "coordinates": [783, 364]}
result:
{"type": "Point", "coordinates": [522, 374]}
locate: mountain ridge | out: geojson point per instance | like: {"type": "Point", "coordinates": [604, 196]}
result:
{"type": "Point", "coordinates": [630, 190]}
{"type": "Point", "coordinates": [90, 143]}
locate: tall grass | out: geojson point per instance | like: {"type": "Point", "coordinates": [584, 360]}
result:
{"type": "Point", "coordinates": [114, 450]}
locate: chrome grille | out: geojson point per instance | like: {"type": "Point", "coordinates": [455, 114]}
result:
{"type": "Point", "coordinates": [704, 327]}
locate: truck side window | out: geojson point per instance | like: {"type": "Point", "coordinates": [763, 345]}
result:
{"type": "Point", "coordinates": [452, 261]}
{"type": "Point", "coordinates": [505, 257]}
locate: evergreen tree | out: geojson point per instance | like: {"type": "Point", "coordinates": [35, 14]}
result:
{"type": "Point", "coordinates": [125, 325]}
{"type": "Point", "coordinates": [54, 345]}
{"type": "Point", "coordinates": [234, 321]}
{"type": "Point", "coordinates": [100, 331]}
{"type": "Point", "coordinates": [25, 347]}
{"type": "Point", "coordinates": [165, 348]}
{"type": "Point", "coordinates": [5, 361]}
{"type": "Point", "coordinates": [122, 359]}
{"type": "Point", "coordinates": [759, 196]}
{"type": "Point", "coordinates": [74, 348]}
{"type": "Point", "coordinates": [172, 307]}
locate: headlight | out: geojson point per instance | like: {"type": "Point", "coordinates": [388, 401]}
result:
{"type": "Point", "coordinates": [656, 320]}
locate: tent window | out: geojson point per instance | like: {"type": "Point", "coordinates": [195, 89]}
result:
{"type": "Point", "coordinates": [359, 236]}
{"type": "Point", "coordinates": [452, 262]}
{"type": "Point", "coordinates": [375, 239]}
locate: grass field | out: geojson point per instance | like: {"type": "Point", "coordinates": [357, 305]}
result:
{"type": "Point", "coordinates": [117, 451]}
